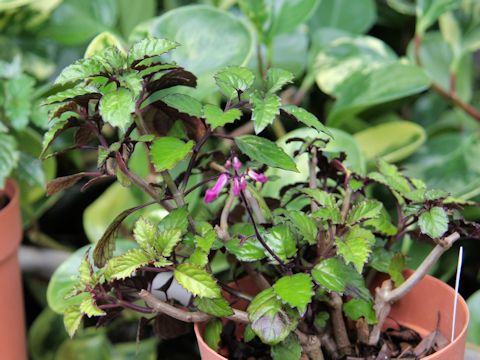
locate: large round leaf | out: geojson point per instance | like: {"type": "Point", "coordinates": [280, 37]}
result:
{"type": "Point", "coordinates": [45, 335]}
{"type": "Point", "coordinates": [449, 162]}
{"type": "Point", "coordinates": [347, 55]}
{"type": "Point", "coordinates": [341, 141]}
{"type": "Point", "coordinates": [65, 277]}
{"type": "Point", "coordinates": [354, 16]}
{"type": "Point", "coordinates": [392, 141]}
{"type": "Point", "coordinates": [474, 326]}
{"type": "Point", "coordinates": [210, 39]}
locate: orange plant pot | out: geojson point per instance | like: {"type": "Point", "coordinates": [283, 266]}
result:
{"type": "Point", "coordinates": [418, 310]}
{"type": "Point", "coordinates": [12, 321]}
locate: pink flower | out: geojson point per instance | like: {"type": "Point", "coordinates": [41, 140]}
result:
{"type": "Point", "coordinates": [239, 184]}
{"type": "Point", "coordinates": [213, 193]}
{"type": "Point", "coordinates": [237, 164]}
{"type": "Point", "coordinates": [260, 177]}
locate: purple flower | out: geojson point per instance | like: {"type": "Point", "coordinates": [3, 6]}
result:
{"type": "Point", "coordinates": [260, 177]}
{"type": "Point", "coordinates": [237, 164]}
{"type": "Point", "coordinates": [239, 184]}
{"type": "Point", "coordinates": [214, 192]}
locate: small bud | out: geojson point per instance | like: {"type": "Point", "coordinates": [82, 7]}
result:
{"type": "Point", "coordinates": [237, 164]}
{"type": "Point", "coordinates": [260, 177]}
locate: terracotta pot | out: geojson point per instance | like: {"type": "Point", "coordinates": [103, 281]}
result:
{"type": "Point", "coordinates": [12, 321]}
{"type": "Point", "coordinates": [418, 310]}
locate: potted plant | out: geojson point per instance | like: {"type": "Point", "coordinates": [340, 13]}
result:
{"type": "Point", "coordinates": [301, 264]}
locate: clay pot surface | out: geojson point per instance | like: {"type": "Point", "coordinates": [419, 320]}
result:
{"type": "Point", "coordinates": [12, 321]}
{"type": "Point", "coordinates": [418, 310]}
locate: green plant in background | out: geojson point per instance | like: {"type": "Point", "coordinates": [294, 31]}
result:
{"type": "Point", "coordinates": [315, 241]}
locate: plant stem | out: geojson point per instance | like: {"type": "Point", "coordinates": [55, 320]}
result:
{"type": "Point", "coordinates": [177, 195]}
{"type": "Point", "coordinates": [385, 296]}
{"type": "Point", "coordinates": [191, 163]}
{"type": "Point", "coordinates": [159, 306]}
{"type": "Point", "coordinates": [278, 128]}
{"type": "Point", "coordinates": [338, 325]}
{"type": "Point", "coordinates": [226, 211]}
{"type": "Point", "coordinates": [312, 175]}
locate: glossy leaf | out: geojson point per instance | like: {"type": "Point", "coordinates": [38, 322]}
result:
{"type": "Point", "coordinates": [123, 266]}
{"type": "Point", "coordinates": [282, 242]}
{"type": "Point", "coordinates": [168, 151]}
{"type": "Point", "coordinates": [357, 308]}
{"type": "Point", "coordinates": [216, 307]}
{"type": "Point", "coordinates": [264, 111]}
{"type": "Point", "coordinates": [150, 47]}
{"type": "Point", "coordinates": [277, 78]}
{"type": "Point", "coordinates": [364, 210]}
{"type": "Point", "coordinates": [249, 250]}
{"type": "Point", "coordinates": [176, 219]}
{"type": "Point", "coordinates": [434, 222]}
{"type": "Point", "coordinates": [305, 117]}
{"type": "Point", "coordinates": [331, 274]}
{"type": "Point", "coordinates": [305, 225]}
{"type": "Point", "coordinates": [166, 241]}
{"type": "Point", "coordinates": [117, 107]}
{"type": "Point", "coordinates": [269, 154]}
{"type": "Point", "coordinates": [215, 117]}
{"type": "Point", "coordinates": [184, 103]}
{"type": "Point", "coordinates": [295, 290]}
{"type": "Point", "coordinates": [376, 141]}
{"type": "Point", "coordinates": [81, 70]}
{"type": "Point", "coordinates": [233, 80]}
{"type": "Point", "coordinates": [212, 333]}
{"type": "Point", "coordinates": [355, 247]}
{"type": "Point", "coordinates": [197, 281]}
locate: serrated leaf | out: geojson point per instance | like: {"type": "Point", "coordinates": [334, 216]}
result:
{"type": "Point", "coordinates": [366, 209]}
{"type": "Point", "coordinates": [321, 197]}
{"type": "Point", "coordinates": [305, 225]}
{"type": "Point", "coordinates": [145, 233]}
{"type": "Point", "coordinates": [265, 152]}
{"type": "Point", "coordinates": [288, 349]}
{"type": "Point", "coordinates": [433, 222]}
{"type": "Point", "coordinates": [382, 223]}
{"type": "Point", "coordinates": [90, 308]}
{"type": "Point", "coordinates": [305, 117]}
{"type": "Point", "coordinates": [295, 290]}
{"type": "Point", "coordinates": [168, 151]}
{"type": "Point", "coordinates": [249, 250]}
{"type": "Point", "coordinates": [167, 240]}
{"type": "Point", "coordinates": [356, 246]}
{"type": "Point", "coordinates": [206, 237]}
{"type": "Point", "coordinates": [391, 177]}
{"type": "Point", "coordinates": [234, 79]}
{"type": "Point", "coordinates": [176, 219]}
{"type": "Point", "coordinates": [132, 81]}
{"type": "Point", "coordinates": [331, 214]}
{"type": "Point", "coordinates": [57, 125]}
{"type": "Point", "coordinates": [184, 103]}
{"type": "Point", "coordinates": [150, 47]}
{"type": "Point", "coordinates": [212, 333]}
{"type": "Point", "coordinates": [215, 117]}
{"type": "Point", "coordinates": [264, 110]}
{"type": "Point", "coordinates": [197, 281]}
{"type": "Point", "coordinates": [72, 317]}
{"type": "Point", "coordinates": [116, 108]}
{"type": "Point", "coordinates": [161, 262]}
{"type": "Point", "coordinates": [123, 266]}
{"type": "Point", "coordinates": [282, 242]}
{"type": "Point", "coordinates": [9, 156]}
{"type": "Point", "coordinates": [81, 70]}
{"type": "Point", "coordinates": [277, 79]}
{"type": "Point", "coordinates": [71, 94]}
{"type": "Point", "coordinates": [331, 274]}
{"type": "Point", "coordinates": [357, 308]}
{"type": "Point", "coordinates": [216, 307]}
{"type": "Point", "coordinates": [199, 257]}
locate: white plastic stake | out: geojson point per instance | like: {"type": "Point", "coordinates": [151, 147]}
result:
{"type": "Point", "coordinates": [457, 285]}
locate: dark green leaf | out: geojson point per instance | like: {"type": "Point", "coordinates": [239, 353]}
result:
{"type": "Point", "coordinates": [184, 103]}
{"type": "Point", "coordinates": [357, 308]}
{"type": "Point", "coordinates": [288, 349]}
{"type": "Point", "coordinates": [215, 117]}
{"type": "Point", "coordinates": [305, 225]}
{"type": "Point", "coordinates": [249, 250]}
{"type": "Point", "coordinates": [265, 152]}
{"type": "Point", "coordinates": [367, 209]}
{"type": "Point", "coordinates": [176, 219]}
{"type": "Point", "coordinates": [282, 242]}
{"type": "Point", "coordinates": [295, 290]}
{"type": "Point", "coordinates": [212, 333]}
{"type": "Point", "coordinates": [168, 151]}
{"type": "Point", "coordinates": [305, 117]}
{"type": "Point", "coordinates": [216, 307]}
{"type": "Point", "coordinates": [433, 222]}
{"type": "Point", "coordinates": [234, 79]}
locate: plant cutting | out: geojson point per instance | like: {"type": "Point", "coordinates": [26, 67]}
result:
{"type": "Point", "coordinates": [301, 264]}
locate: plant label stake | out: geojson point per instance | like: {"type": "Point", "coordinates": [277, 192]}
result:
{"type": "Point", "coordinates": [457, 285]}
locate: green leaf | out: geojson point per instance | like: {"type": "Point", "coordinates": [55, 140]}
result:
{"type": "Point", "coordinates": [347, 55]}
{"type": "Point", "coordinates": [249, 250]}
{"type": "Point", "coordinates": [321, 197]}
{"type": "Point", "coordinates": [57, 125]}
{"type": "Point", "coordinates": [81, 70]}
{"type": "Point", "coordinates": [288, 349]}
{"type": "Point", "coordinates": [364, 210]}
{"type": "Point", "coordinates": [382, 224]}
{"type": "Point", "coordinates": [257, 12]}
{"type": "Point", "coordinates": [288, 14]}
{"type": "Point", "coordinates": [265, 152]}
{"type": "Point", "coordinates": [388, 83]}
{"type": "Point", "coordinates": [357, 308]}
{"type": "Point", "coordinates": [192, 26]}
{"type": "Point", "coordinates": [277, 79]}
{"type": "Point", "coordinates": [123, 266]}
{"type": "Point", "coordinates": [212, 333]}
{"type": "Point", "coordinates": [168, 151]}
{"type": "Point", "coordinates": [396, 267]}
{"type": "Point", "coordinates": [233, 80]}
{"type": "Point", "coordinates": [167, 240]}
{"type": "Point", "coordinates": [474, 324]}
{"type": "Point", "coordinates": [428, 12]}
{"type": "Point", "coordinates": [433, 222]}
{"type": "Point", "coordinates": [18, 100]}
{"type": "Point", "coordinates": [199, 257]}
{"type": "Point", "coordinates": [101, 42]}
{"type": "Point", "coordinates": [176, 219]}
{"type": "Point", "coordinates": [216, 307]}
{"type": "Point", "coordinates": [305, 225]}
{"type": "Point", "coordinates": [265, 109]}
{"type": "Point", "coordinates": [197, 281]}
{"type": "Point", "coordinates": [71, 94]}
{"type": "Point", "coordinates": [150, 47]}
{"type": "Point", "coordinates": [376, 141]}
{"type": "Point", "coordinates": [331, 274]}
{"type": "Point", "coordinates": [248, 334]}
{"type": "Point", "coordinates": [295, 290]}
{"type": "Point", "coordinates": [215, 117]}
{"type": "Point", "coordinates": [90, 308]}
{"type": "Point", "coordinates": [72, 318]}
{"type": "Point", "coordinates": [344, 15]}
{"type": "Point", "coordinates": [207, 236]}
{"type": "Point", "coordinates": [391, 177]}
{"type": "Point", "coordinates": [282, 242]}
{"type": "Point", "coordinates": [117, 107]}
{"type": "Point", "coordinates": [305, 117]}
{"type": "Point", "coordinates": [184, 103]}
{"type": "Point", "coordinates": [9, 156]}
{"type": "Point", "coordinates": [321, 320]}
{"type": "Point", "coordinates": [145, 233]}
{"type": "Point", "coordinates": [132, 81]}
{"type": "Point", "coordinates": [268, 320]}
{"type": "Point", "coordinates": [356, 246]}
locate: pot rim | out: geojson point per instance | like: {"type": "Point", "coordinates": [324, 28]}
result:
{"type": "Point", "coordinates": [458, 336]}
